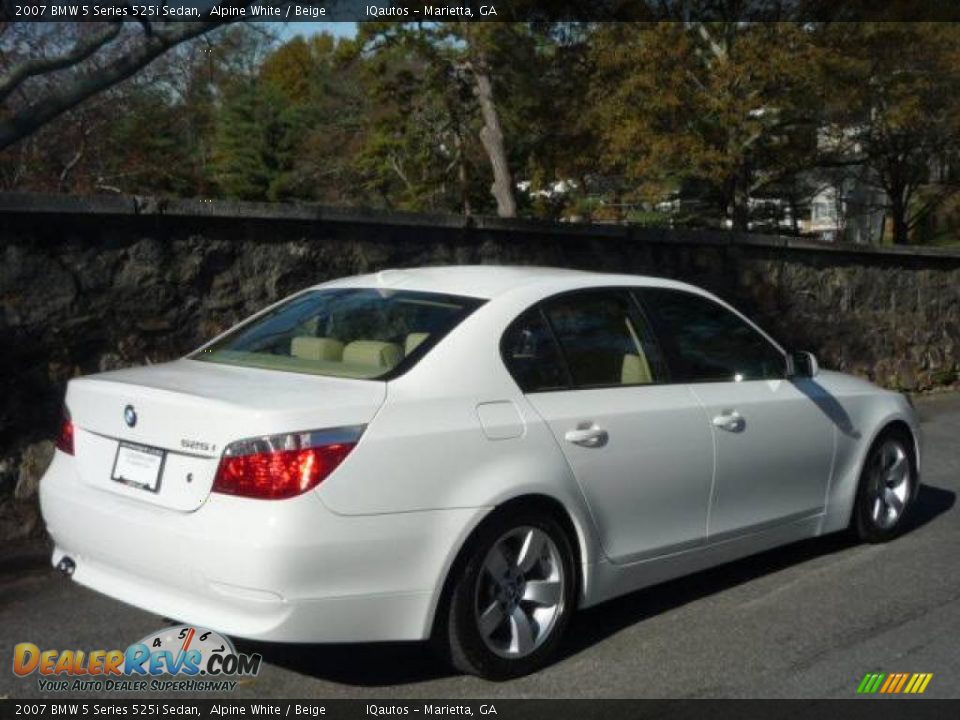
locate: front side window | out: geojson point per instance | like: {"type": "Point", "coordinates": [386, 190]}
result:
{"type": "Point", "coordinates": [348, 332]}
{"type": "Point", "coordinates": [604, 339]}
{"type": "Point", "coordinates": [708, 342]}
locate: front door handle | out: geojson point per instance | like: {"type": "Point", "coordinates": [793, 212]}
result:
{"type": "Point", "coordinates": [729, 420]}
{"type": "Point", "coordinates": [591, 436]}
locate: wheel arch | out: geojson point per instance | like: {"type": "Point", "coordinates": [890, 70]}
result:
{"type": "Point", "coordinates": [844, 488]}
{"type": "Point", "coordinates": [572, 525]}
{"type": "Point", "coordinates": [898, 424]}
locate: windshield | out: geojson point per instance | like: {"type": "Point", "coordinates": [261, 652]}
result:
{"type": "Point", "coordinates": [352, 332]}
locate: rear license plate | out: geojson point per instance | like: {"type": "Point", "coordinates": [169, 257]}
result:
{"type": "Point", "coordinates": [138, 465]}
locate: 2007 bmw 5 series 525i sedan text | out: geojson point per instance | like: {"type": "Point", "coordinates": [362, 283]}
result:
{"type": "Point", "coordinates": [463, 454]}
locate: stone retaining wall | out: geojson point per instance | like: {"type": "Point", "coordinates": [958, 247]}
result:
{"type": "Point", "coordinates": [90, 284]}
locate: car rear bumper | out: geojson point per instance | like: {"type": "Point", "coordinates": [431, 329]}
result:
{"type": "Point", "coordinates": [288, 570]}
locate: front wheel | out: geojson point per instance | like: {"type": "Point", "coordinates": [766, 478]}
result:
{"type": "Point", "coordinates": [512, 600]}
{"type": "Point", "coordinates": [887, 485]}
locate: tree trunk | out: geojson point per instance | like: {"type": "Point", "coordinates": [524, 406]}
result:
{"type": "Point", "coordinates": [491, 135]}
{"type": "Point", "coordinates": [463, 180]}
{"type": "Point", "coordinates": [898, 217]}
{"type": "Point", "coordinates": [901, 235]}
{"type": "Point", "coordinates": [741, 207]}
{"type": "Point", "coordinates": [794, 205]}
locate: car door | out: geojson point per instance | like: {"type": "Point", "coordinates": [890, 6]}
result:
{"type": "Point", "coordinates": [638, 446]}
{"type": "Point", "coordinates": [774, 446]}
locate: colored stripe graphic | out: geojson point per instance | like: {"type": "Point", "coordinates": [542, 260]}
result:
{"type": "Point", "coordinates": [918, 683]}
{"type": "Point", "coordinates": [894, 683]}
{"type": "Point", "coordinates": [870, 683]}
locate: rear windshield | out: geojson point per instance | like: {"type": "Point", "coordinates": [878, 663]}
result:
{"type": "Point", "coordinates": [351, 332]}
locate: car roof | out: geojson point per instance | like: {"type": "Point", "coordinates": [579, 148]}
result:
{"type": "Point", "coordinates": [490, 281]}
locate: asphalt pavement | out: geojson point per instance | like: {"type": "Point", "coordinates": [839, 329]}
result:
{"type": "Point", "coordinates": [808, 621]}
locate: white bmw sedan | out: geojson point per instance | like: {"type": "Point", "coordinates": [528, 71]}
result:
{"type": "Point", "coordinates": [463, 454]}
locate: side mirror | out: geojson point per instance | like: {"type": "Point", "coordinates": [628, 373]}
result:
{"type": "Point", "coordinates": [802, 364]}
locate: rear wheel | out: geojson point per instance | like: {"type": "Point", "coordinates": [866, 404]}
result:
{"type": "Point", "coordinates": [513, 597]}
{"type": "Point", "coordinates": [887, 485]}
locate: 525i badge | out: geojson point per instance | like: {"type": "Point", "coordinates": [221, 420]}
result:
{"type": "Point", "coordinates": [198, 445]}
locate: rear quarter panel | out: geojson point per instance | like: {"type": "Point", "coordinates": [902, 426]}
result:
{"type": "Point", "coordinates": [427, 450]}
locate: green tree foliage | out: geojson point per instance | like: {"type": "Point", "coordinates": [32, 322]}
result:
{"type": "Point", "coordinates": [291, 128]}
{"type": "Point", "coordinates": [254, 144]}
{"type": "Point", "coordinates": [414, 155]}
{"type": "Point", "coordinates": [462, 112]}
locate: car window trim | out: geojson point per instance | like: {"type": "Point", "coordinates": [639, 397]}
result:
{"type": "Point", "coordinates": [561, 353]}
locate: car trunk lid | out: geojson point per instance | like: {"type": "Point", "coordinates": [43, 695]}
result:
{"type": "Point", "coordinates": [172, 421]}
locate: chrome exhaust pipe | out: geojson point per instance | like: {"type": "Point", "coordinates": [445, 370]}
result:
{"type": "Point", "coordinates": [66, 566]}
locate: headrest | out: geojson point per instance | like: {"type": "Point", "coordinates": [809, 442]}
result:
{"type": "Point", "coordinates": [635, 370]}
{"type": "Point", "coordinates": [414, 339]}
{"type": "Point", "coordinates": [314, 348]}
{"type": "Point", "coordinates": [372, 353]}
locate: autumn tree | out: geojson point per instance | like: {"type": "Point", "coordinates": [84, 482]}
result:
{"type": "Point", "coordinates": [453, 57]}
{"type": "Point", "coordinates": [545, 75]}
{"type": "Point", "coordinates": [329, 104]}
{"type": "Point", "coordinates": [894, 109]}
{"type": "Point", "coordinates": [421, 125]}
{"type": "Point", "coordinates": [708, 103]}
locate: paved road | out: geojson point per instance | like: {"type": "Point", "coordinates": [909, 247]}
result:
{"type": "Point", "coordinates": [804, 621]}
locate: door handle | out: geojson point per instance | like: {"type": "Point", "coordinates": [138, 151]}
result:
{"type": "Point", "coordinates": [590, 436]}
{"type": "Point", "coordinates": [729, 420]}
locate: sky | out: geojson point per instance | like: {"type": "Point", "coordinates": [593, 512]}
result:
{"type": "Point", "coordinates": [340, 29]}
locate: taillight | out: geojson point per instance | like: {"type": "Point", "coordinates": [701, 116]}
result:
{"type": "Point", "coordinates": [65, 436]}
{"type": "Point", "coordinates": [283, 466]}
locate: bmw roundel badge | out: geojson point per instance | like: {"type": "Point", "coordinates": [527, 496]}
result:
{"type": "Point", "coordinates": [130, 416]}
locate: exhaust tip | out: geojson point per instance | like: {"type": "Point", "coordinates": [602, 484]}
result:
{"type": "Point", "coordinates": [66, 566]}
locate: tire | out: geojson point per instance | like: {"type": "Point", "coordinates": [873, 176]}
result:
{"type": "Point", "coordinates": [888, 484]}
{"type": "Point", "coordinates": [508, 607]}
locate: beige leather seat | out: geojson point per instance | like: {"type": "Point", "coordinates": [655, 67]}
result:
{"type": "Point", "coordinates": [635, 370]}
{"type": "Point", "coordinates": [414, 339]}
{"type": "Point", "coordinates": [372, 354]}
{"type": "Point", "coordinates": [314, 348]}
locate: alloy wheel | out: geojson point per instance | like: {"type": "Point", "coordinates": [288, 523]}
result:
{"type": "Point", "coordinates": [889, 487]}
{"type": "Point", "coordinates": [519, 592]}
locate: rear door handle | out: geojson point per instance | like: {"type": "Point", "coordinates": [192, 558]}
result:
{"type": "Point", "coordinates": [591, 436]}
{"type": "Point", "coordinates": [729, 420]}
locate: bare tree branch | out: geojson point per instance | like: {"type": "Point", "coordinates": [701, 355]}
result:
{"type": "Point", "coordinates": [38, 66]}
{"type": "Point", "coordinates": [36, 114]}
{"type": "Point", "coordinates": [716, 49]}
{"type": "Point", "coordinates": [72, 162]}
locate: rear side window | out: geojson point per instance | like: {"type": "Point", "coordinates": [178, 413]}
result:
{"type": "Point", "coordinates": [604, 339]}
{"type": "Point", "coordinates": [707, 342]}
{"type": "Point", "coordinates": [531, 354]}
{"type": "Point", "coordinates": [348, 332]}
